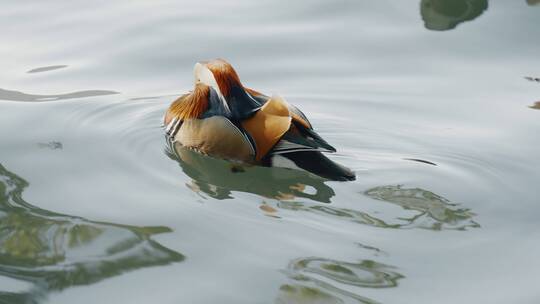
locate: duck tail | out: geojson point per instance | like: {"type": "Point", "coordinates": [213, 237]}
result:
{"type": "Point", "coordinates": [314, 162]}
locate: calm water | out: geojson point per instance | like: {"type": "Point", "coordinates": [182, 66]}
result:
{"type": "Point", "coordinates": [426, 100]}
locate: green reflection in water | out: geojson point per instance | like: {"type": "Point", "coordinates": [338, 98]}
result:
{"type": "Point", "coordinates": [296, 293]}
{"type": "Point", "coordinates": [367, 273]}
{"type": "Point", "coordinates": [320, 280]}
{"type": "Point", "coordinates": [442, 15]}
{"type": "Point", "coordinates": [433, 211]}
{"type": "Point", "coordinates": [344, 213]}
{"type": "Point", "coordinates": [219, 178]}
{"type": "Point", "coordinates": [55, 251]}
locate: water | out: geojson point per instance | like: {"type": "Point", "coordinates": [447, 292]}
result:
{"type": "Point", "coordinates": [426, 101]}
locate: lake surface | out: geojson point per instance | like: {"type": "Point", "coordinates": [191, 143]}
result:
{"type": "Point", "coordinates": [426, 100]}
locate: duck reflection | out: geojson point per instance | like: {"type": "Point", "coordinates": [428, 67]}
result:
{"type": "Point", "coordinates": [533, 2]}
{"type": "Point", "coordinates": [313, 278]}
{"type": "Point", "coordinates": [430, 211]}
{"type": "Point", "coordinates": [54, 251]}
{"type": "Point", "coordinates": [219, 178]}
{"type": "Point", "coordinates": [443, 15]}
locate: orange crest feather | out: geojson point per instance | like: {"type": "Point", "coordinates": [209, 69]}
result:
{"type": "Point", "coordinates": [225, 75]}
{"type": "Point", "coordinates": [191, 105]}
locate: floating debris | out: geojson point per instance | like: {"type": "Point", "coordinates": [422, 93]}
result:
{"type": "Point", "coordinates": [376, 251]}
{"type": "Point", "coordinates": [536, 105]}
{"type": "Point", "coordinates": [421, 161]}
{"type": "Point", "coordinates": [53, 145]}
{"type": "Point", "coordinates": [532, 78]}
{"type": "Point", "coordinates": [267, 208]}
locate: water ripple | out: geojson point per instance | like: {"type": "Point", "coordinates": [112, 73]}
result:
{"type": "Point", "coordinates": [21, 96]}
{"type": "Point", "coordinates": [47, 68]}
{"type": "Point", "coordinates": [321, 280]}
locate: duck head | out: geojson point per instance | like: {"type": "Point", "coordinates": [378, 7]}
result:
{"type": "Point", "coordinates": [221, 77]}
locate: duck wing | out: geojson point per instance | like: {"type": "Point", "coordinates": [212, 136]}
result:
{"type": "Point", "coordinates": [301, 135]}
{"type": "Point", "coordinates": [274, 131]}
{"type": "Point", "coordinates": [314, 162]}
{"type": "Point", "coordinates": [299, 138]}
{"type": "Point", "coordinates": [268, 125]}
{"type": "Point", "coordinates": [298, 117]}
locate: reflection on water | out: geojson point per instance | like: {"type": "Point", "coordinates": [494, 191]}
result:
{"type": "Point", "coordinates": [536, 105]}
{"type": "Point", "coordinates": [21, 96]}
{"type": "Point", "coordinates": [442, 15]}
{"type": "Point", "coordinates": [342, 213]}
{"type": "Point", "coordinates": [367, 273]}
{"type": "Point", "coordinates": [301, 294]}
{"type": "Point", "coordinates": [433, 211]}
{"type": "Point", "coordinates": [218, 178]}
{"type": "Point", "coordinates": [47, 68]}
{"type": "Point", "coordinates": [320, 280]}
{"type": "Point", "coordinates": [55, 251]}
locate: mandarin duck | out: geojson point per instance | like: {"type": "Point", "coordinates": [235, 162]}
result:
{"type": "Point", "coordinates": [222, 118]}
